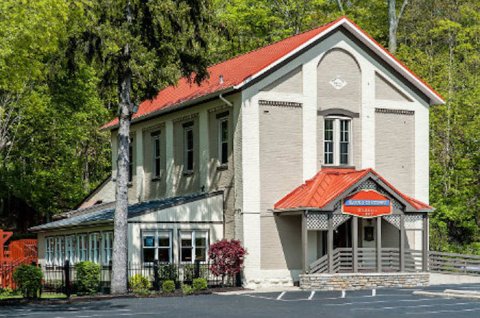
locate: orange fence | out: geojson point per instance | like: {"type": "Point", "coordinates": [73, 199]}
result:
{"type": "Point", "coordinates": [18, 252]}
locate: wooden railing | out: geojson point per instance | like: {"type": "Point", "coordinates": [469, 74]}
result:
{"type": "Point", "coordinates": [342, 261]}
{"type": "Point", "coordinates": [441, 262]}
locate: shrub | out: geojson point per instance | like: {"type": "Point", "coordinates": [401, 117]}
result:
{"type": "Point", "coordinates": [227, 258]}
{"type": "Point", "coordinates": [29, 280]}
{"type": "Point", "coordinates": [88, 277]}
{"type": "Point", "coordinates": [199, 284]}
{"type": "Point", "coordinates": [168, 272]}
{"type": "Point", "coordinates": [140, 284]}
{"type": "Point", "coordinates": [168, 286]}
{"type": "Point", "coordinates": [187, 289]}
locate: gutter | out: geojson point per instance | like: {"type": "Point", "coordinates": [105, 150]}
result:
{"type": "Point", "coordinates": [181, 106]}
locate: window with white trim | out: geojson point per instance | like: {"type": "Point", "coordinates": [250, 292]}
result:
{"type": "Point", "coordinates": [193, 246]}
{"type": "Point", "coordinates": [223, 140]}
{"type": "Point", "coordinates": [337, 141]}
{"type": "Point", "coordinates": [157, 245]}
{"type": "Point", "coordinates": [59, 250]}
{"type": "Point", "coordinates": [82, 248]}
{"type": "Point", "coordinates": [49, 250]}
{"type": "Point", "coordinates": [94, 247]}
{"type": "Point", "coordinates": [156, 154]}
{"type": "Point", "coordinates": [107, 247]}
{"type": "Point", "coordinates": [70, 248]}
{"type": "Point", "coordinates": [188, 147]}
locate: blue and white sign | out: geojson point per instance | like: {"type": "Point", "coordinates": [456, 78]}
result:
{"type": "Point", "coordinates": [367, 202]}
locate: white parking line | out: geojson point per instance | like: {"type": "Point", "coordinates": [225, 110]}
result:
{"type": "Point", "coordinates": [311, 295]}
{"type": "Point", "coordinates": [443, 311]}
{"type": "Point", "coordinates": [379, 301]}
{"type": "Point", "coordinates": [281, 295]}
{"type": "Point", "coordinates": [412, 306]}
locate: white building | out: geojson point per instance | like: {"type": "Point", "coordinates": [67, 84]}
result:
{"type": "Point", "coordinates": [223, 160]}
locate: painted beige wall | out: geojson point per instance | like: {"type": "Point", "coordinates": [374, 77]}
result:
{"type": "Point", "coordinates": [292, 82]}
{"type": "Point", "coordinates": [385, 90]}
{"type": "Point", "coordinates": [222, 177]}
{"type": "Point", "coordinates": [338, 63]}
{"type": "Point", "coordinates": [395, 150]}
{"type": "Point", "coordinates": [106, 193]}
{"type": "Point", "coordinates": [281, 163]}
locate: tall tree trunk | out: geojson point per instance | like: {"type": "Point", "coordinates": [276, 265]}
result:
{"type": "Point", "coordinates": [120, 240]}
{"type": "Point", "coordinates": [392, 26]}
{"type": "Point", "coordinates": [393, 20]}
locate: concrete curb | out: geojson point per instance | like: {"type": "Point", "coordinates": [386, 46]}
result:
{"type": "Point", "coordinates": [445, 294]}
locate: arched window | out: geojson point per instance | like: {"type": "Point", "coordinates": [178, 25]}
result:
{"type": "Point", "coordinates": [337, 141]}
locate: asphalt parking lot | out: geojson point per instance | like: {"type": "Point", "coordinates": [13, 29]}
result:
{"type": "Point", "coordinates": [383, 303]}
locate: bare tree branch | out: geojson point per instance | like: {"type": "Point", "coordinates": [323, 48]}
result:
{"type": "Point", "coordinates": [340, 6]}
{"type": "Point", "coordinates": [402, 9]}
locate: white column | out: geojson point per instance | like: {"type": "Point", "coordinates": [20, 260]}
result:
{"type": "Point", "coordinates": [251, 188]}
{"type": "Point", "coordinates": [139, 164]}
{"type": "Point", "coordinates": [368, 116]}
{"type": "Point", "coordinates": [170, 191]}
{"type": "Point", "coordinates": [204, 149]}
{"type": "Point", "coordinates": [310, 119]}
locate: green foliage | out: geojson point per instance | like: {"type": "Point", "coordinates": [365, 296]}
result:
{"type": "Point", "coordinates": [199, 284]}
{"type": "Point", "coordinates": [29, 280]}
{"type": "Point", "coordinates": [168, 286]}
{"type": "Point", "coordinates": [187, 289]}
{"type": "Point", "coordinates": [88, 277]}
{"type": "Point", "coordinates": [168, 272]}
{"type": "Point", "coordinates": [140, 284]}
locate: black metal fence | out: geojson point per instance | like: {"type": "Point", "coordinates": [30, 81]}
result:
{"type": "Point", "coordinates": [63, 279]}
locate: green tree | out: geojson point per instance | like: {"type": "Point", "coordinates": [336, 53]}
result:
{"type": "Point", "coordinates": [140, 46]}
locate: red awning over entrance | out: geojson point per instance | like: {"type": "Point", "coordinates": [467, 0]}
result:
{"type": "Point", "coordinates": [329, 184]}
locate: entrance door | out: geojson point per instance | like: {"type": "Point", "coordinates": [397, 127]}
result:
{"type": "Point", "coordinates": [367, 232]}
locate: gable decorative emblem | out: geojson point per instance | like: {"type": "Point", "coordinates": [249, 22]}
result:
{"type": "Point", "coordinates": [338, 83]}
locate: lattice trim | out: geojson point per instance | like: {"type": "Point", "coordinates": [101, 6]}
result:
{"type": "Point", "coordinates": [393, 219]}
{"type": "Point", "coordinates": [317, 221]}
{"type": "Point", "coordinates": [339, 219]}
{"type": "Point", "coordinates": [414, 222]}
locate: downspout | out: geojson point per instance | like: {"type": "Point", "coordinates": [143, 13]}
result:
{"type": "Point", "coordinates": [229, 103]}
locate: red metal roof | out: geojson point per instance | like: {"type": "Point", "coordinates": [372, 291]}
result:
{"type": "Point", "coordinates": [239, 70]}
{"type": "Point", "coordinates": [328, 184]}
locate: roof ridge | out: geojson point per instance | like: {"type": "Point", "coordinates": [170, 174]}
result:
{"type": "Point", "coordinates": [278, 41]}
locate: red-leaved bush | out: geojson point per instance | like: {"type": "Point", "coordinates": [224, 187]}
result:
{"type": "Point", "coordinates": [227, 258]}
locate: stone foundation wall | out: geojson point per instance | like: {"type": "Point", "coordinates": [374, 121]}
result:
{"type": "Point", "coordinates": [349, 281]}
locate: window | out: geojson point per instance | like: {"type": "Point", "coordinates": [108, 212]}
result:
{"type": "Point", "coordinates": [157, 245]}
{"type": "Point", "coordinates": [82, 247]}
{"type": "Point", "coordinates": [70, 247]}
{"type": "Point", "coordinates": [94, 247]}
{"type": "Point", "coordinates": [337, 141]}
{"type": "Point", "coordinates": [328, 141]}
{"type": "Point", "coordinates": [223, 140]}
{"type": "Point", "coordinates": [49, 250]}
{"type": "Point", "coordinates": [107, 249]}
{"type": "Point", "coordinates": [59, 250]}
{"type": "Point", "coordinates": [156, 154]}
{"type": "Point", "coordinates": [188, 147]}
{"type": "Point", "coordinates": [193, 246]}
{"type": "Point", "coordinates": [130, 161]}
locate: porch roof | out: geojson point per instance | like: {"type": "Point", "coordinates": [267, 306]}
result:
{"type": "Point", "coordinates": [329, 184]}
{"type": "Point", "coordinates": [106, 214]}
